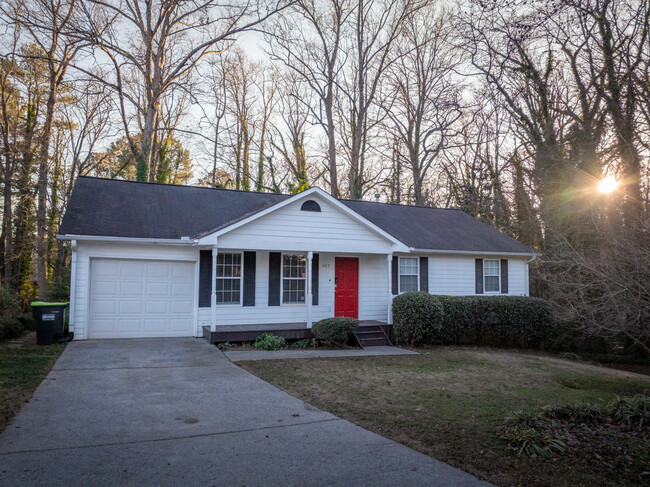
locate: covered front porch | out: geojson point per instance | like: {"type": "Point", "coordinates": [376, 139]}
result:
{"type": "Point", "coordinates": [369, 332]}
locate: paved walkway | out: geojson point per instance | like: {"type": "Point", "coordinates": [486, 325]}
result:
{"type": "Point", "coordinates": [166, 412]}
{"type": "Point", "coordinates": [243, 355]}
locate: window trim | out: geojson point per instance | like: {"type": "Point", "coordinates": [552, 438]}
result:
{"type": "Point", "coordinates": [282, 278]}
{"type": "Point", "coordinates": [241, 278]}
{"type": "Point", "coordinates": [485, 291]}
{"type": "Point", "coordinates": [399, 273]}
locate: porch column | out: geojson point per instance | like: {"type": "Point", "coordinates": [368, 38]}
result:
{"type": "Point", "coordinates": [310, 258]}
{"type": "Point", "coordinates": [213, 297]}
{"type": "Point", "coordinates": [389, 315]}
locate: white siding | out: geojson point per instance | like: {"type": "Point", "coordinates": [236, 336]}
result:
{"type": "Point", "coordinates": [289, 228]}
{"type": "Point", "coordinates": [455, 275]}
{"type": "Point", "coordinates": [373, 291]}
{"type": "Point", "coordinates": [87, 251]}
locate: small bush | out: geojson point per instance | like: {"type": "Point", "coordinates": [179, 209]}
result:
{"type": "Point", "coordinates": [633, 411]}
{"type": "Point", "coordinates": [541, 432]}
{"type": "Point", "coordinates": [304, 343]}
{"type": "Point", "coordinates": [417, 316]}
{"type": "Point", "coordinates": [10, 327]}
{"type": "Point", "coordinates": [335, 331]}
{"type": "Point", "coordinates": [27, 320]}
{"type": "Point", "coordinates": [268, 341]}
{"type": "Point", "coordinates": [9, 302]}
{"type": "Point", "coordinates": [224, 347]}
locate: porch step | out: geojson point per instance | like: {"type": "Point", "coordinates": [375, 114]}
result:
{"type": "Point", "coordinates": [371, 336]}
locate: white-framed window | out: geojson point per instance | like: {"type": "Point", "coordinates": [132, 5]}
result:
{"type": "Point", "coordinates": [491, 276]}
{"type": "Point", "coordinates": [229, 277]}
{"type": "Point", "coordinates": [294, 278]}
{"type": "Point", "coordinates": [409, 274]}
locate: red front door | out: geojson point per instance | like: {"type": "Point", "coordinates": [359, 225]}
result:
{"type": "Point", "coordinates": [346, 296]}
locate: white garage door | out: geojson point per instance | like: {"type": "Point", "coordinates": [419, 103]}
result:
{"type": "Point", "coordinates": [141, 298]}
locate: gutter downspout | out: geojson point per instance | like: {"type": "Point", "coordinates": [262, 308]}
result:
{"type": "Point", "coordinates": [528, 262]}
{"type": "Point", "coordinates": [73, 287]}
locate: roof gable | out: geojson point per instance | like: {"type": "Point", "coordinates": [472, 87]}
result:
{"type": "Point", "coordinates": [288, 227]}
{"type": "Point", "coordinates": [334, 205]}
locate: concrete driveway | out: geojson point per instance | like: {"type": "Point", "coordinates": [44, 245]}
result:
{"type": "Point", "coordinates": [163, 412]}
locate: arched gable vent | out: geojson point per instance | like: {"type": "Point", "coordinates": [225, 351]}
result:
{"type": "Point", "coordinates": [310, 205]}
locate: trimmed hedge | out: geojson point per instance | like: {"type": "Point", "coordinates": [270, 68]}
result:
{"type": "Point", "coordinates": [501, 321]}
{"type": "Point", "coordinates": [335, 331]}
{"type": "Point", "coordinates": [417, 316]}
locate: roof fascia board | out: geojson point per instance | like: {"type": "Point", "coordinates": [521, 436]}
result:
{"type": "Point", "coordinates": [94, 238]}
{"type": "Point", "coordinates": [473, 252]}
{"type": "Point", "coordinates": [399, 246]}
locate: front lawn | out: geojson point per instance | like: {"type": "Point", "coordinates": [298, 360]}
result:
{"type": "Point", "coordinates": [449, 403]}
{"type": "Point", "coordinates": [23, 366]}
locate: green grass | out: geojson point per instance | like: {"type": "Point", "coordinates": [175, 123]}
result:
{"type": "Point", "coordinates": [22, 369]}
{"type": "Point", "coordinates": [449, 402]}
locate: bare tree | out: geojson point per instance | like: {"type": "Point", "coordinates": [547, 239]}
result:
{"type": "Point", "coordinates": [315, 51]}
{"type": "Point", "coordinates": [377, 24]}
{"type": "Point", "coordinates": [157, 45]}
{"type": "Point", "coordinates": [47, 22]}
{"type": "Point", "coordinates": [424, 105]}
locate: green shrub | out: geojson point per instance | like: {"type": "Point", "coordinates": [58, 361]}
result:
{"type": "Point", "coordinates": [304, 343]}
{"type": "Point", "coordinates": [9, 302]}
{"type": "Point", "coordinates": [27, 320]}
{"type": "Point", "coordinates": [541, 431]}
{"type": "Point", "coordinates": [509, 321]}
{"type": "Point", "coordinates": [268, 341]}
{"type": "Point", "coordinates": [10, 327]}
{"type": "Point", "coordinates": [633, 411]}
{"type": "Point", "coordinates": [417, 316]}
{"type": "Point", "coordinates": [335, 331]}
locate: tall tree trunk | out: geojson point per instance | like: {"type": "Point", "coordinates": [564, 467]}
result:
{"type": "Point", "coordinates": [41, 211]}
{"type": "Point", "coordinates": [331, 143]}
{"type": "Point", "coordinates": [6, 237]}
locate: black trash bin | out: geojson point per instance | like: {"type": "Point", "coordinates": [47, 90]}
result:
{"type": "Point", "coordinates": [50, 321]}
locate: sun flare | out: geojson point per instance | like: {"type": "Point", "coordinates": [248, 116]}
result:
{"type": "Point", "coordinates": [607, 185]}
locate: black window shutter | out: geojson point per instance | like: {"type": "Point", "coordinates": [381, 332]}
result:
{"type": "Point", "coordinates": [424, 274]}
{"type": "Point", "coordinates": [504, 276]}
{"type": "Point", "coordinates": [479, 276]}
{"type": "Point", "coordinates": [205, 278]}
{"type": "Point", "coordinates": [314, 280]}
{"type": "Point", "coordinates": [249, 278]}
{"type": "Point", "coordinates": [395, 275]}
{"type": "Point", "coordinates": [275, 269]}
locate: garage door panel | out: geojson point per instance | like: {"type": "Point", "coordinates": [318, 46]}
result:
{"type": "Point", "coordinates": [157, 325]}
{"type": "Point", "coordinates": [105, 306]}
{"type": "Point", "coordinates": [106, 269]}
{"type": "Point", "coordinates": [105, 288]}
{"type": "Point", "coordinates": [131, 289]}
{"type": "Point", "coordinates": [182, 307]}
{"type": "Point", "coordinates": [180, 271]}
{"type": "Point", "coordinates": [181, 289]}
{"type": "Point", "coordinates": [152, 306]}
{"type": "Point", "coordinates": [129, 325]}
{"type": "Point", "coordinates": [132, 299]}
{"type": "Point", "coordinates": [132, 269]}
{"type": "Point", "coordinates": [180, 324]}
{"type": "Point", "coordinates": [159, 270]}
{"type": "Point", "coordinates": [157, 289]}
{"type": "Point", "coordinates": [130, 307]}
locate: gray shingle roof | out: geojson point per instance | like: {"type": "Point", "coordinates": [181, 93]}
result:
{"type": "Point", "coordinates": [116, 208]}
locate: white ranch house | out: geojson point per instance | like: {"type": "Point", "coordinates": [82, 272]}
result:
{"type": "Point", "coordinates": [153, 260]}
